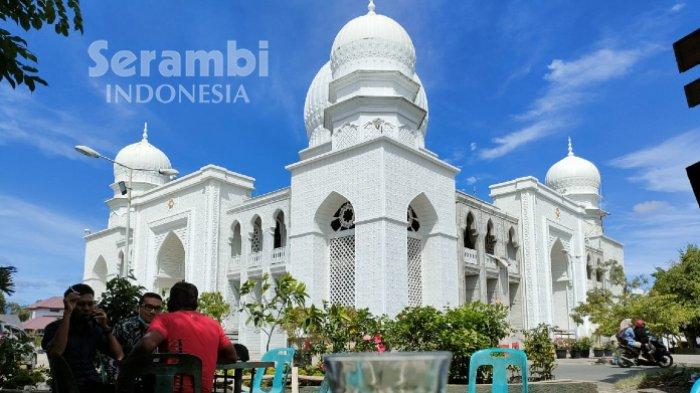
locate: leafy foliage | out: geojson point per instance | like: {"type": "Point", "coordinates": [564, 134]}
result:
{"type": "Point", "coordinates": [540, 353]}
{"type": "Point", "coordinates": [214, 305]}
{"type": "Point", "coordinates": [270, 302]}
{"type": "Point", "coordinates": [12, 374]}
{"type": "Point", "coordinates": [121, 299]}
{"type": "Point", "coordinates": [681, 282]}
{"type": "Point", "coordinates": [21, 312]}
{"type": "Point", "coordinates": [666, 308]}
{"type": "Point", "coordinates": [7, 286]}
{"type": "Point", "coordinates": [461, 330]}
{"type": "Point", "coordinates": [16, 61]}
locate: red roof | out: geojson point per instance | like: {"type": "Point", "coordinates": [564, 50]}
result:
{"type": "Point", "coordinates": [52, 302]}
{"type": "Point", "coordinates": [37, 323]}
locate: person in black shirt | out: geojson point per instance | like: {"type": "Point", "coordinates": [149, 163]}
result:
{"type": "Point", "coordinates": [76, 337]}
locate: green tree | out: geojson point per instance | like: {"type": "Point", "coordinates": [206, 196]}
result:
{"type": "Point", "coordinates": [540, 353]}
{"type": "Point", "coordinates": [682, 281]}
{"type": "Point", "coordinates": [7, 286]}
{"type": "Point", "coordinates": [12, 374]}
{"type": "Point", "coordinates": [214, 305]}
{"type": "Point", "coordinates": [15, 308]}
{"type": "Point", "coordinates": [17, 62]}
{"type": "Point", "coordinates": [272, 301]}
{"type": "Point", "coordinates": [121, 299]}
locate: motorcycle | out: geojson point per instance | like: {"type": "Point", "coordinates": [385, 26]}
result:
{"type": "Point", "coordinates": [658, 356]}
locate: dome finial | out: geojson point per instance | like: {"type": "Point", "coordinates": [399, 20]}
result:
{"type": "Point", "coordinates": [571, 148]}
{"type": "Point", "coordinates": [371, 7]}
{"type": "Point", "coordinates": [145, 131]}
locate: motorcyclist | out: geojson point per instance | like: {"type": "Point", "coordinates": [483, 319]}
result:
{"type": "Point", "coordinates": [626, 335]}
{"type": "Point", "coordinates": [641, 334]}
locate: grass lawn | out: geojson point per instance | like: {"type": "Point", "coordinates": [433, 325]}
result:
{"type": "Point", "coordinates": [672, 380]}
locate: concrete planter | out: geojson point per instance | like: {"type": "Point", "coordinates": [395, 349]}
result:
{"type": "Point", "coordinates": [561, 353]}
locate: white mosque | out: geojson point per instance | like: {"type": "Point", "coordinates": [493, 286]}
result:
{"type": "Point", "coordinates": [371, 218]}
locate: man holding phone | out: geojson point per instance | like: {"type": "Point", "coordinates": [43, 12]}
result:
{"type": "Point", "coordinates": [81, 332]}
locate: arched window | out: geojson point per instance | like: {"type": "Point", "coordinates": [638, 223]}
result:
{"type": "Point", "coordinates": [589, 268]}
{"type": "Point", "coordinates": [120, 264]}
{"type": "Point", "coordinates": [414, 246]}
{"type": "Point", "coordinates": [490, 239]}
{"type": "Point", "coordinates": [236, 243]}
{"type": "Point", "coordinates": [559, 268]}
{"type": "Point", "coordinates": [470, 233]}
{"type": "Point", "coordinates": [99, 271]}
{"type": "Point", "coordinates": [599, 272]}
{"type": "Point", "coordinates": [170, 262]}
{"type": "Point", "coordinates": [512, 246]}
{"type": "Point", "coordinates": [342, 256]}
{"type": "Point", "coordinates": [280, 236]}
{"type": "Point", "coordinates": [256, 241]}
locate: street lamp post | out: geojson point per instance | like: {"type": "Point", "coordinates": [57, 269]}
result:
{"type": "Point", "coordinates": [90, 152]}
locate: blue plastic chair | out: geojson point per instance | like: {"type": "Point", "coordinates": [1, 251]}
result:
{"type": "Point", "coordinates": [500, 363]}
{"type": "Point", "coordinates": [282, 357]}
{"type": "Point", "coordinates": [696, 387]}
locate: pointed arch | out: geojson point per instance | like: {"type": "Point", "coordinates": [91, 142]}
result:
{"type": "Point", "coordinates": [512, 245]}
{"type": "Point", "coordinates": [559, 270]}
{"type": "Point", "coordinates": [236, 239]}
{"type": "Point", "coordinates": [335, 218]}
{"type": "Point", "coordinates": [99, 269]}
{"type": "Point", "coordinates": [470, 232]}
{"type": "Point", "coordinates": [490, 239]}
{"type": "Point", "coordinates": [256, 238]}
{"type": "Point", "coordinates": [170, 262]}
{"type": "Point", "coordinates": [280, 234]}
{"type": "Point", "coordinates": [589, 267]}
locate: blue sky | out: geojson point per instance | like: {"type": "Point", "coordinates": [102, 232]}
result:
{"type": "Point", "coordinates": [507, 82]}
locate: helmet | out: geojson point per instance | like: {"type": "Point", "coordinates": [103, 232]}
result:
{"type": "Point", "coordinates": [640, 323]}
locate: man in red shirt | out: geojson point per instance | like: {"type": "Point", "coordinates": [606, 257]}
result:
{"type": "Point", "coordinates": [183, 329]}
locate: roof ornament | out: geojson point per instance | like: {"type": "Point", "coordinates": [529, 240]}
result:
{"type": "Point", "coordinates": [371, 7]}
{"type": "Point", "coordinates": [145, 131]}
{"type": "Point", "coordinates": [571, 148]}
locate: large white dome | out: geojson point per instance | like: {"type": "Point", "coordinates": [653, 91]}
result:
{"type": "Point", "coordinates": [317, 102]}
{"type": "Point", "coordinates": [573, 176]}
{"type": "Point", "coordinates": [372, 42]}
{"type": "Point", "coordinates": [141, 155]}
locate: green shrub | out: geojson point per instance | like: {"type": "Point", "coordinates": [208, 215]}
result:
{"type": "Point", "coordinates": [540, 352]}
{"type": "Point", "coordinates": [462, 330]}
{"type": "Point", "coordinates": [12, 374]}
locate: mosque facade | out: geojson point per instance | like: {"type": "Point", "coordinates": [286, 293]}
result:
{"type": "Point", "coordinates": [371, 218]}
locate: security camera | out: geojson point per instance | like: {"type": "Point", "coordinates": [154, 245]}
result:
{"type": "Point", "coordinates": [122, 187]}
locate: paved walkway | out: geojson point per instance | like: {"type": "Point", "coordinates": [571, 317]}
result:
{"type": "Point", "coordinates": [607, 374]}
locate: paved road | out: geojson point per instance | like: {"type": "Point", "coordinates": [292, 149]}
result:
{"type": "Point", "coordinates": [606, 374]}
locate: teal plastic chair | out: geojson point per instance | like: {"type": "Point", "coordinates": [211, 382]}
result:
{"type": "Point", "coordinates": [696, 387]}
{"type": "Point", "coordinates": [282, 357]}
{"type": "Point", "coordinates": [504, 357]}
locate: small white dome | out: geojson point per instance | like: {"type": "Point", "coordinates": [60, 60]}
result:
{"type": "Point", "coordinates": [372, 42]}
{"type": "Point", "coordinates": [317, 102]}
{"type": "Point", "coordinates": [422, 102]}
{"type": "Point", "coordinates": [141, 155]}
{"type": "Point", "coordinates": [574, 175]}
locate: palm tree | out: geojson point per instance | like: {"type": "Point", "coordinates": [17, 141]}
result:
{"type": "Point", "coordinates": [6, 285]}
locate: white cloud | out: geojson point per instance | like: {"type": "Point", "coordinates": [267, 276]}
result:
{"type": "Point", "coordinates": [471, 180]}
{"type": "Point", "coordinates": [41, 243]}
{"type": "Point", "coordinates": [677, 7]}
{"type": "Point", "coordinates": [654, 237]}
{"type": "Point", "coordinates": [472, 146]}
{"type": "Point", "coordinates": [661, 167]}
{"type": "Point", "coordinates": [569, 85]}
{"type": "Point", "coordinates": [650, 207]}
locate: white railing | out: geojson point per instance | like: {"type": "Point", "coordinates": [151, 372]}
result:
{"type": "Point", "coordinates": [255, 259]}
{"type": "Point", "coordinates": [278, 255]}
{"type": "Point", "coordinates": [492, 262]}
{"type": "Point", "coordinates": [235, 264]}
{"type": "Point", "coordinates": [470, 256]}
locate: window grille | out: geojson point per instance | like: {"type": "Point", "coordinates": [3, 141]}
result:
{"type": "Point", "coordinates": [342, 270]}
{"type": "Point", "coordinates": [415, 295]}
{"type": "Point", "coordinates": [256, 241]}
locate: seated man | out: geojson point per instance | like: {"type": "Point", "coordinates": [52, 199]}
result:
{"type": "Point", "coordinates": [182, 329]}
{"type": "Point", "coordinates": [78, 335]}
{"type": "Point", "coordinates": [131, 330]}
{"type": "Point", "coordinates": [626, 335]}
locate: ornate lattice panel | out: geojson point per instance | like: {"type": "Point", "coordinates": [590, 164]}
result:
{"type": "Point", "coordinates": [342, 270]}
{"type": "Point", "coordinates": [415, 295]}
{"type": "Point", "coordinates": [256, 240]}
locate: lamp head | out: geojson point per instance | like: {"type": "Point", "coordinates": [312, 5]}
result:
{"type": "Point", "coordinates": [87, 151]}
